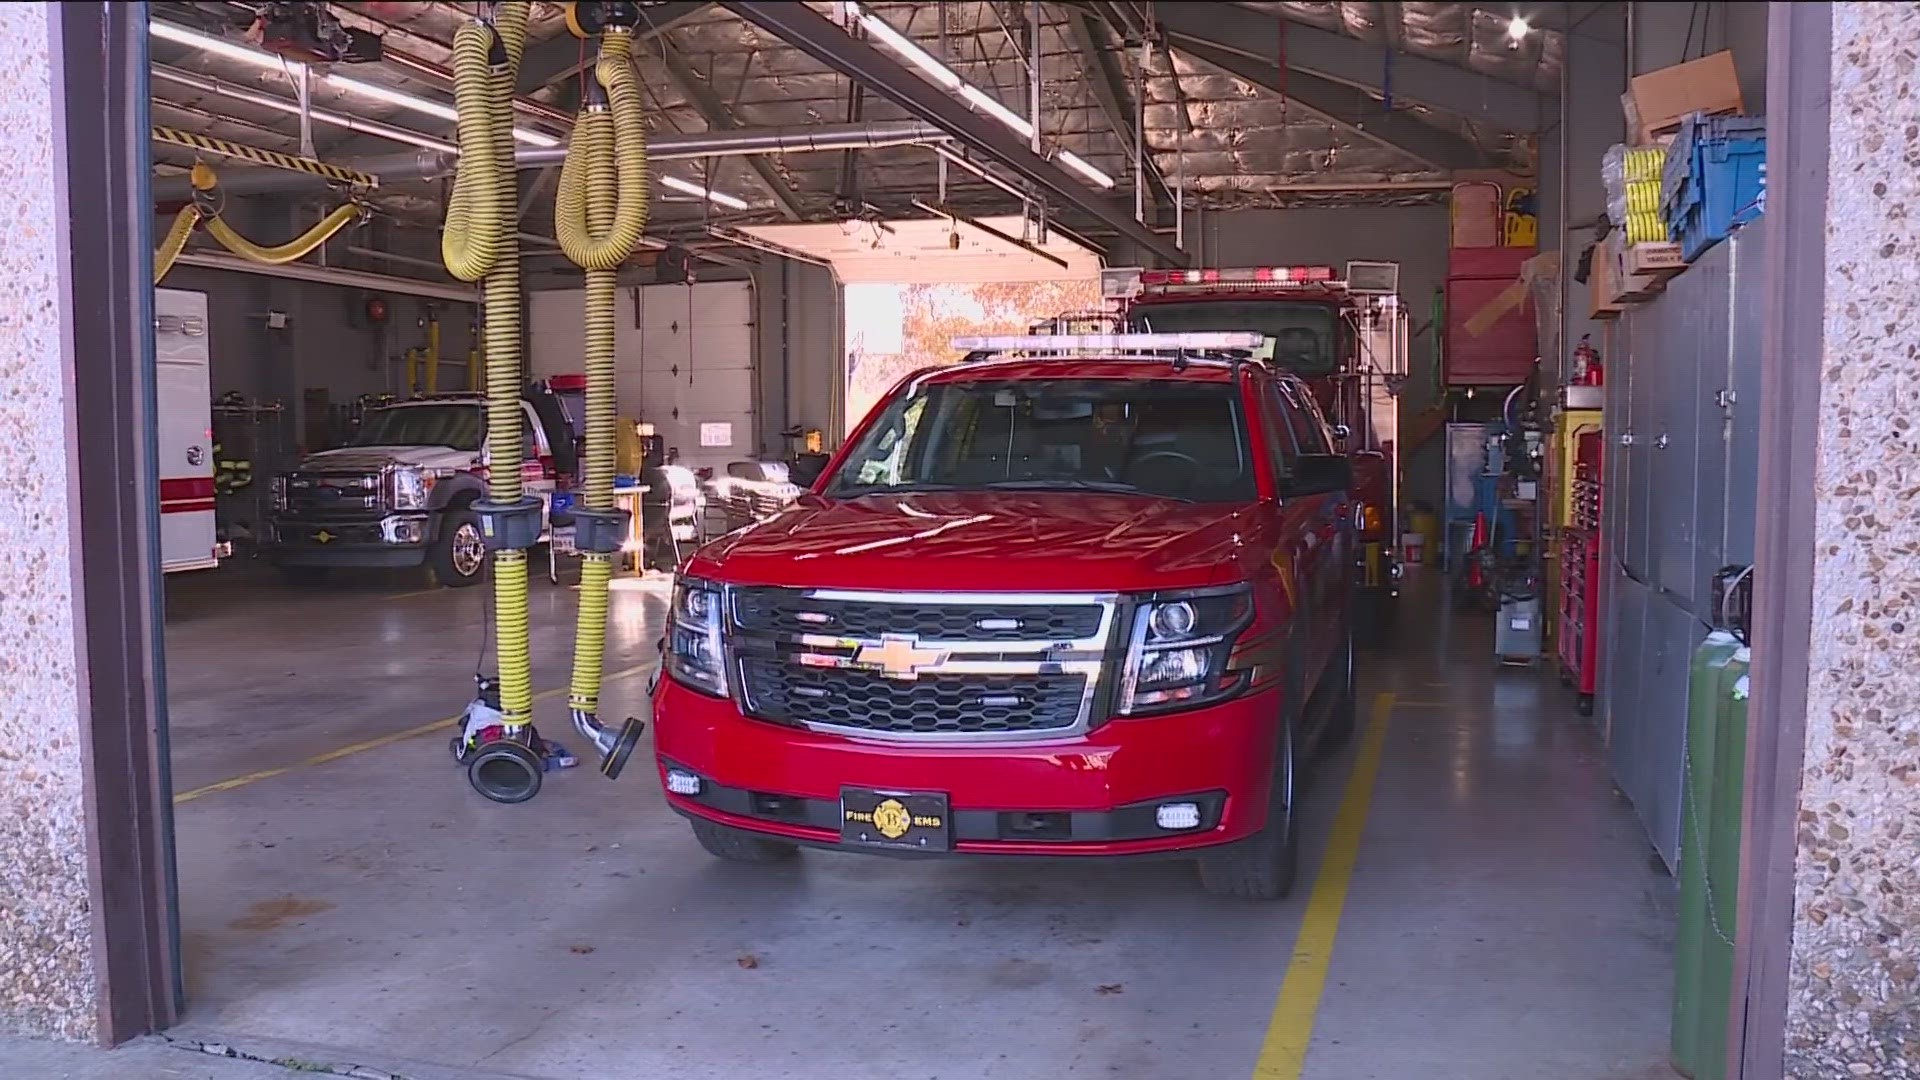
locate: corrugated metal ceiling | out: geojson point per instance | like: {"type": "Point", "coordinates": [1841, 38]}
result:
{"type": "Point", "coordinates": [1238, 144]}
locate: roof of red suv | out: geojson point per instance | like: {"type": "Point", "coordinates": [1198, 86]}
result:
{"type": "Point", "coordinates": [1083, 369]}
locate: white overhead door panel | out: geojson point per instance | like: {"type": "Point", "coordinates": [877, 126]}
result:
{"type": "Point", "coordinates": [694, 378]}
{"type": "Point", "coordinates": [556, 338]}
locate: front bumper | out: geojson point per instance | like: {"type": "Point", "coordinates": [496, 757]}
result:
{"type": "Point", "coordinates": [1093, 794]}
{"type": "Point", "coordinates": [397, 540]}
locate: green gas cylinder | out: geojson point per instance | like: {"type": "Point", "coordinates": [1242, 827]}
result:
{"type": "Point", "coordinates": [1704, 771]}
{"type": "Point", "coordinates": [1723, 867]}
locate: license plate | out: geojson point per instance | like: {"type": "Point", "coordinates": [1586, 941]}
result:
{"type": "Point", "coordinates": [563, 542]}
{"type": "Point", "coordinates": [917, 821]}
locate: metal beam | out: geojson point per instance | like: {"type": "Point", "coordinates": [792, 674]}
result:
{"type": "Point", "coordinates": [720, 118]}
{"type": "Point", "coordinates": [559, 57]}
{"type": "Point", "coordinates": [1109, 86]}
{"type": "Point", "coordinates": [1433, 83]}
{"type": "Point", "coordinates": [826, 42]}
{"type": "Point", "coordinates": [1393, 130]}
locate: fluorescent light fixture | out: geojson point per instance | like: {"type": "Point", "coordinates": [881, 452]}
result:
{"type": "Point", "coordinates": [903, 45]}
{"type": "Point", "coordinates": [979, 100]}
{"type": "Point", "coordinates": [267, 61]}
{"type": "Point", "coordinates": [1517, 29]}
{"type": "Point", "coordinates": [718, 198]}
{"type": "Point", "coordinates": [292, 108]}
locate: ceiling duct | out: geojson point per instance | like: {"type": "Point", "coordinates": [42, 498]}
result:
{"type": "Point", "coordinates": [430, 165]}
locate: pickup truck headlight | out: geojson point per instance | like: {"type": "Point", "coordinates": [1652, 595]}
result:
{"type": "Point", "coordinates": [1177, 657]}
{"type": "Point", "coordinates": [410, 488]}
{"type": "Point", "coordinates": [279, 487]}
{"type": "Point", "coordinates": [695, 657]}
{"type": "Point", "coordinates": [406, 489]}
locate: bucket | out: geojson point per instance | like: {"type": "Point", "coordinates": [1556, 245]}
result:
{"type": "Point", "coordinates": [1413, 549]}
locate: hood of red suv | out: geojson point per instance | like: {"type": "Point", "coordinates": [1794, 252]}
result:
{"type": "Point", "coordinates": [985, 541]}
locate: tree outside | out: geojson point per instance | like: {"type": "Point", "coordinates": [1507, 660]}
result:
{"type": "Point", "coordinates": [893, 330]}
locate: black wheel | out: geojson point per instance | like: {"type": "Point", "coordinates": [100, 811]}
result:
{"type": "Point", "coordinates": [305, 577]}
{"type": "Point", "coordinates": [1342, 680]}
{"type": "Point", "coordinates": [459, 558]}
{"type": "Point", "coordinates": [1583, 705]}
{"type": "Point", "coordinates": [1264, 866]}
{"type": "Point", "coordinates": [741, 847]}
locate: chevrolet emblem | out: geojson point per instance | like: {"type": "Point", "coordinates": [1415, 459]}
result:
{"type": "Point", "coordinates": [899, 657]}
{"type": "Point", "coordinates": [323, 536]}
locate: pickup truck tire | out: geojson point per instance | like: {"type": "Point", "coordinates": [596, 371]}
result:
{"type": "Point", "coordinates": [733, 845]}
{"type": "Point", "coordinates": [459, 557]}
{"type": "Point", "coordinates": [1264, 866]}
{"type": "Point", "coordinates": [1341, 684]}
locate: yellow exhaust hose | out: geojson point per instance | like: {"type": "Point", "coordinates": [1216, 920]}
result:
{"type": "Point", "coordinates": [297, 248]}
{"type": "Point", "coordinates": [175, 241]}
{"type": "Point", "coordinates": [600, 213]}
{"type": "Point", "coordinates": [478, 243]}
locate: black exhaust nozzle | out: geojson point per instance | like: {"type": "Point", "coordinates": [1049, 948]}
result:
{"type": "Point", "coordinates": [616, 760]}
{"type": "Point", "coordinates": [506, 771]}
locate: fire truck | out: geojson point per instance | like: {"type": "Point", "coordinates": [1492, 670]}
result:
{"type": "Point", "coordinates": [1345, 336]}
{"type": "Point", "coordinates": [189, 539]}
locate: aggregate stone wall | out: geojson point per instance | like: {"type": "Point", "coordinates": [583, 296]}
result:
{"type": "Point", "coordinates": [1854, 1007]}
{"type": "Point", "coordinates": [46, 971]}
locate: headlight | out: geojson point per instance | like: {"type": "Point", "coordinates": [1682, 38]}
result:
{"type": "Point", "coordinates": [694, 655]}
{"type": "Point", "coordinates": [407, 489]}
{"type": "Point", "coordinates": [1177, 657]}
{"type": "Point", "coordinates": [279, 486]}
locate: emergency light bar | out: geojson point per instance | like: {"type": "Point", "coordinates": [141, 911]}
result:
{"type": "Point", "coordinates": [1196, 341]}
{"type": "Point", "coordinates": [1127, 283]}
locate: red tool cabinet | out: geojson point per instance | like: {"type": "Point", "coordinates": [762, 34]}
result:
{"type": "Point", "coordinates": [1580, 574]}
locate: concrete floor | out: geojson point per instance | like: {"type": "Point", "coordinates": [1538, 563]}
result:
{"type": "Point", "coordinates": [1503, 918]}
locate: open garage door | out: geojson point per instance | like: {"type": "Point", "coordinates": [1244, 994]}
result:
{"type": "Point", "coordinates": [686, 361]}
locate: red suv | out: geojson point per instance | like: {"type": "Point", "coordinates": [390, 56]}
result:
{"type": "Point", "coordinates": [1074, 596]}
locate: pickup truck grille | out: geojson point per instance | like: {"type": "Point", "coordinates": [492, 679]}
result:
{"type": "Point", "coordinates": [791, 611]}
{"type": "Point", "coordinates": [936, 704]}
{"type": "Point", "coordinates": [912, 666]}
{"type": "Point", "coordinates": [313, 494]}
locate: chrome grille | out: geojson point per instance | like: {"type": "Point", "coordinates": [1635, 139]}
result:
{"type": "Point", "coordinates": [791, 611]}
{"type": "Point", "coordinates": [869, 702]}
{"type": "Point", "coordinates": [921, 666]}
{"type": "Point", "coordinates": [323, 494]}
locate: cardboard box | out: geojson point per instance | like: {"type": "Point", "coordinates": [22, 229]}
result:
{"type": "Point", "coordinates": [1656, 101]}
{"type": "Point", "coordinates": [1660, 261]}
{"type": "Point", "coordinates": [1601, 287]}
{"type": "Point", "coordinates": [1627, 287]}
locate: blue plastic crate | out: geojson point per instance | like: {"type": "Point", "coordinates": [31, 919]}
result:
{"type": "Point", "coordinates": [1723, 183]}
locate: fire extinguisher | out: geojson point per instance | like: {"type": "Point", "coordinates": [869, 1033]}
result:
{"type": "Point", "coordinates": [1587, 369]}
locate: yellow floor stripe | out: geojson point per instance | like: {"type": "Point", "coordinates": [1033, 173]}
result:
{"type": "Point", "coordinates": [1284, 1053]}
{"type": "Point", "coordinates": [375, 744]}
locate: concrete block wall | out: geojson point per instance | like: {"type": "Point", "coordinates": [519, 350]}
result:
{"type": "Point", "coordinates": [47, 984]}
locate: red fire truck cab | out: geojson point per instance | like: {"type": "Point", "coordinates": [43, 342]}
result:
{"type": "Point", "coordinates": [1345, 337]}
{"type": "Point", "coordinates": [1075, 596]}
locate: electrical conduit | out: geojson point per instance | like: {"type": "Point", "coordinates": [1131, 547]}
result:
{"type": "Point", "coordinates": [600, 212]}
{"type": "Point", "coordinates": [478, 243]}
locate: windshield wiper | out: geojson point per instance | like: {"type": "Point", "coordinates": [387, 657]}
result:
{"type": "Point", "coordinates": [1070, 483]}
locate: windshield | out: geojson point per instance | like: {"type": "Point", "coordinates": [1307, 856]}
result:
{"type": "Point", "coordinates": [460, 426]}
{"type": "Point", "coordinates": [1302, 336]}
{"type": "Point", "coordinates": [1161, 437]}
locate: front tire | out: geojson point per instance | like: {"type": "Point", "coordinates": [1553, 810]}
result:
{"type": "Point", "coordinates": [734, 845]}
{"type": "Point", "coordinates": [459, 558]}
{"type": "Point", "coordinates": [1263, 867]}
{"type": "Point", "coordinates": [1343, 715]}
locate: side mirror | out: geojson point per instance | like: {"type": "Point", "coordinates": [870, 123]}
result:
{"type": "Point", "coordinates": [1318, 474]}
